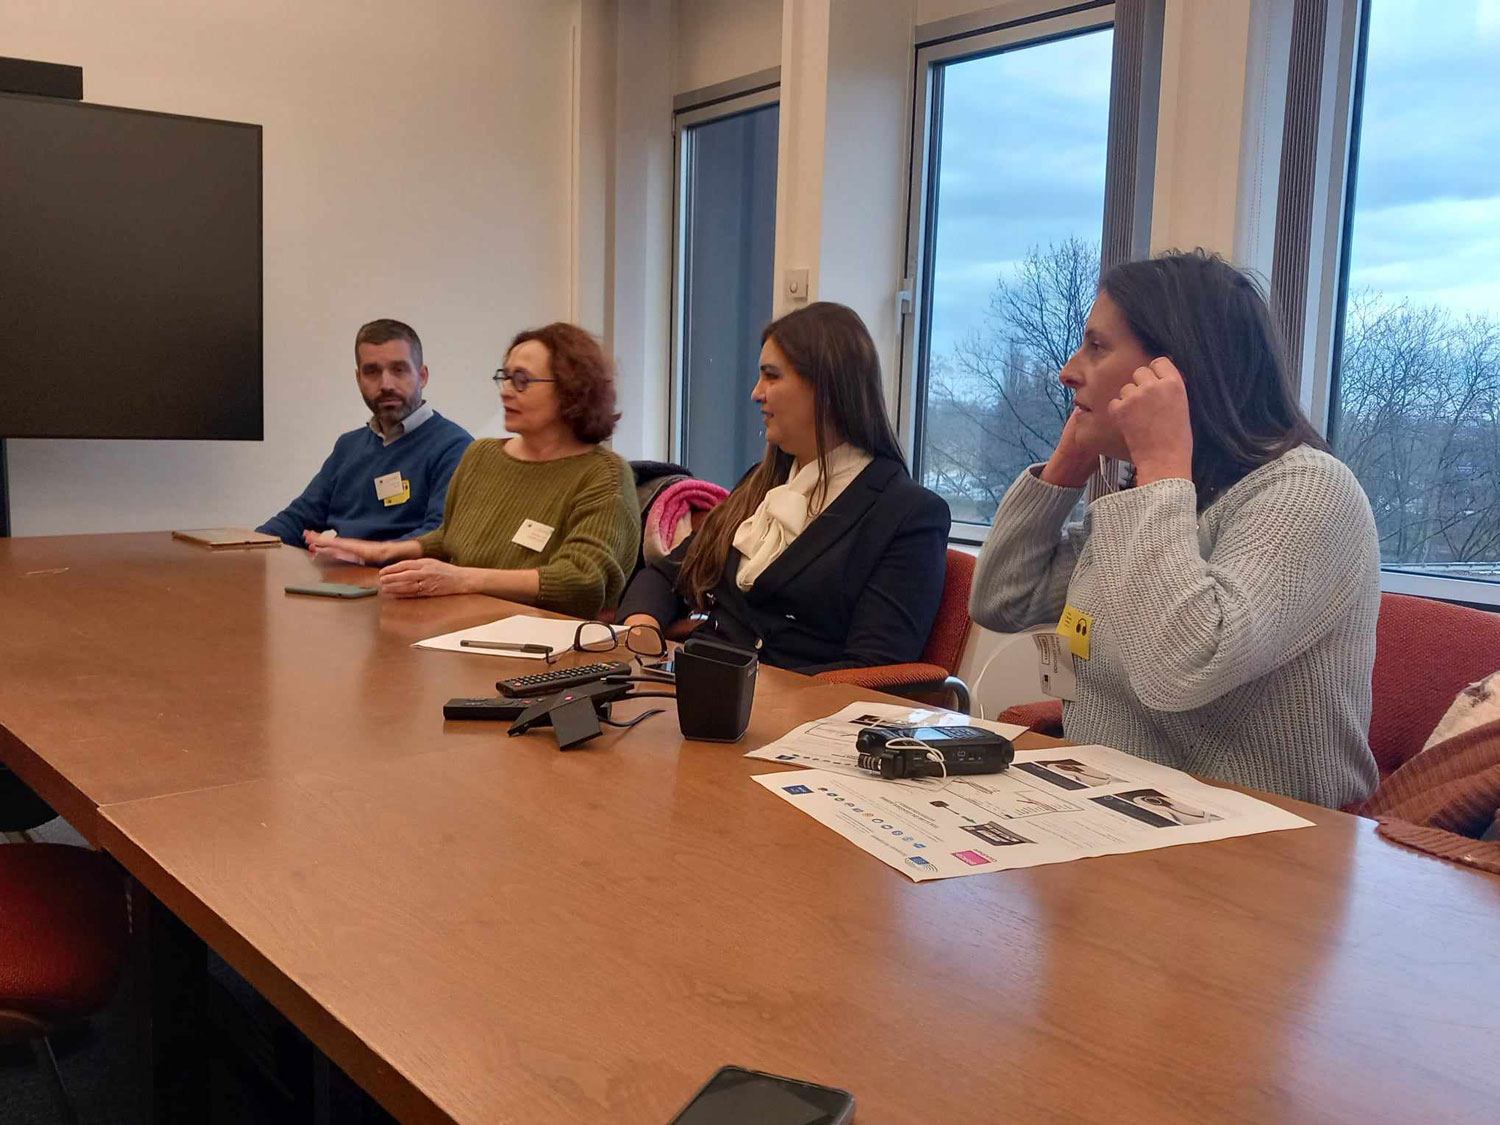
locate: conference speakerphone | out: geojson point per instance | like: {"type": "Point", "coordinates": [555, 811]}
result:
{"type": "Point", "coordinates": [498, 708]}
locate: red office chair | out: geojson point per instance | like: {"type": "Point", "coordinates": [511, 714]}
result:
{"type": "Point", "coordinates": [945, 645]}
{"type": "Point", "coordinates": [63, 930]}
{"type": "Point", "coordinates": [1044, 716]}
{"type": "Point", "coordinates": [1426, 652]}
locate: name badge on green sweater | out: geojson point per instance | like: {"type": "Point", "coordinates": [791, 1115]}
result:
{"type": "Point", "coordinates": [532, 535]}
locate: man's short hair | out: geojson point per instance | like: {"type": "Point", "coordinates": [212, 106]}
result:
{"type": "Point", "coordinates": [383, 331]}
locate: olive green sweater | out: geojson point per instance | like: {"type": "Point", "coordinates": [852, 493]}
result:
{"type": "Point", "coordinates": [588, 500]}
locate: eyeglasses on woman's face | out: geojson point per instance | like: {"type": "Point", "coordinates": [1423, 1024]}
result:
{"type": "Point", "coordinates": [518, 378]}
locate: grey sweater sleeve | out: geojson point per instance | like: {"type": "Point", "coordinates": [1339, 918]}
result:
{"type": "Point", "coordinates": [1027, 560]}
{"type": "Point", "coordinates": [1286, 562]}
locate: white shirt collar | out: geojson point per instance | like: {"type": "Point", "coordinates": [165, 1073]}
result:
{"type": "Point", "coordinates": [416, 418]}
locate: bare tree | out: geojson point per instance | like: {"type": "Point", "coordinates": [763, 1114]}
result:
{"type": "Point", "coordinates": [1417, 422]}
{"type": "Point", "coordinates": [994, 402]}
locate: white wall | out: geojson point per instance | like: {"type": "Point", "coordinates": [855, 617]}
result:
{"type": "Point", "coordinates": [977, 14]}
{"type": "Point", "coordinates": [841, 181]}
{"type": "Point", "coordinates": [800, 158]}
{"type": "Point", "coordinates": [593, 161]}
{"type": "Point", "coordinates": [866, 154]}
{"type": "Point", "coordinates": [639, 259]}
{"type": "Point", "coordinates": [1197, 157]}
{"type": "Point", "coordinates": [1218, 147]}
{"type": "Point", "coordinates": [718, 40]}
{"type": "Point", "coordinates": [416, 166]}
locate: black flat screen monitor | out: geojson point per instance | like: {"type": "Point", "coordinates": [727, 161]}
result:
{"type": "Point", "coordinates": [130, 273]}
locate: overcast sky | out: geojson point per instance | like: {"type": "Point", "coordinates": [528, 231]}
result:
{"type": "Point", "coordinates": [1023, 160]}
{"type": "Point", "coordinates": [1427, 198]}
{"type": "Point", "coordinates": [1022, 166]}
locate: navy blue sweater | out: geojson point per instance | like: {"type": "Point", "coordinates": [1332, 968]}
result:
{"type": "Point", "coordinates": [342, 495]}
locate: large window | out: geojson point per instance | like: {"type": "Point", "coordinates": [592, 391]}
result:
{"type": "Point", "coordinates": [726, 207]}
{"type": "Point", "coordinates": [1010, 185]}
{"type": "Point", "coordinates": [1415, 410]}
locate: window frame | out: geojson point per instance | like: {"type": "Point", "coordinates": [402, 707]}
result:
{"type": "Point", "coordinates": [689, 110]}
{"type": "Point", "coordinates": [942, 44]}
{"type": "Point", "coordinates": [1340, 120]}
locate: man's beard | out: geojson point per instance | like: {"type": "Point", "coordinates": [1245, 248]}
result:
{"type": "Point", "coordinates": [393, 410]}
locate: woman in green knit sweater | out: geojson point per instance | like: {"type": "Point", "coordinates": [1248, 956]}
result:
{"type": "Point", "coordinates": [547, 517]}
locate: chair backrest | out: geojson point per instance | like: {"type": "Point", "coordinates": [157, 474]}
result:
{"type": "Point", "coordinates": [945, 644]}
{"type": "Point", "coordinates": [651, 479]}
{"type": "Point", "coordinates": [1001, 671]}
{"type": "Point", "coordinates": [1426, 652]}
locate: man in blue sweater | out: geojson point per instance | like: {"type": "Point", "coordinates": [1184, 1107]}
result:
{"type": "Point", "coordinates": [387, 479]}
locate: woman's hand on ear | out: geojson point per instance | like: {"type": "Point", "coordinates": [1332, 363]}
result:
{"type": "Point", "coordinates": [1072, 462]}
{"type": "Point", "coordinates": [1151, 414]}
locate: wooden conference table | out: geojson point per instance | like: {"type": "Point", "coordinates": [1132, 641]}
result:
{"type": "Point", "coordinates": [482, 929]}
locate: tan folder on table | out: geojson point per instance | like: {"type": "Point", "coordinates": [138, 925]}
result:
{"type": "Point", "coordinates": [217, 537]}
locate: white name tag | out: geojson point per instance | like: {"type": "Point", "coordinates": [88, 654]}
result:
{"type": "Point", "coordinates": [533, 535]}
{"type": "Point", "coordinates": [1055, 666]}
{"type": "Point", "coordinates": [389, 485]}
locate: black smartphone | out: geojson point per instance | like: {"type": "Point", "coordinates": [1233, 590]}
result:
{"type": "Point", "coordinates": [333, 590]}
{"type": "Point", "coordinates": [660, 669]}
{"type": "Point", "coordinates": [736, 1096]}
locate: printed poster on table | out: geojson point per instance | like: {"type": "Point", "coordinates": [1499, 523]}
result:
{"type": "Point", "coordinates": [1051, 806]}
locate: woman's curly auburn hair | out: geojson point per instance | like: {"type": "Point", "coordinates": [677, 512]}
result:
{"type": "Point", "coordinates": [585, 378]}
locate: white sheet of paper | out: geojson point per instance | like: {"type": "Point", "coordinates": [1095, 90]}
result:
{"type": "Point", "coordinates": [828, 744]}
{"type": "Point", "coordinates": [1049, 807]}
{"type": "Point", "coordinates": [557, 635]}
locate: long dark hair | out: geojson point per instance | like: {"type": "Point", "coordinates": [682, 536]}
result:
{"type": "Point", "coordinates": [829, 346]}
{"type": "Point", "coordinates": [1212, 321]}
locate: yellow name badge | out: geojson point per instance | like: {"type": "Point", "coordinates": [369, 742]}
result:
{"type": "Point", "coordinates": [401, 497]}
{"type": "Point", "coordinates": [1076, 626]}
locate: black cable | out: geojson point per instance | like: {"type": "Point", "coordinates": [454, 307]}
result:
{"type": "Point", "coordinates": [643, 714]}
{"type": "Point", "coordinates": [637, 719]}
{"type": "Point", "coordinates": [657, 680]}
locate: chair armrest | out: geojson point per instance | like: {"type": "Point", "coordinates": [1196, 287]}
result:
{"type": "Point", "coordinates": [1044, 717]}
{"type": "Point", "coordinates": [902, 677]}
{"type": "Point", "coordinates": [884, 676]}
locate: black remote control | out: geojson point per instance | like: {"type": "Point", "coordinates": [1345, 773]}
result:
{"type": "Point", "coordinates": [550, 683]}
{"type": "Point", "coordinates": [493, 707]}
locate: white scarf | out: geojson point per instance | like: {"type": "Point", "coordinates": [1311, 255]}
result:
{"type": "Point", "coordinates": [787, 510]}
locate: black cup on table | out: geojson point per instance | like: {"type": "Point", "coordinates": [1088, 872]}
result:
{"type": "Point", "coordinates": [715, 689]}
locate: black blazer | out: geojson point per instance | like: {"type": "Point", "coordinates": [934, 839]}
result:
{"type": "Point", "coordinates": [859, 587]}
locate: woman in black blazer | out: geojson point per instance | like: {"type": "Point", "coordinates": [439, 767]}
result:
{"type": "Point", "coordinates": [827, 555]}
